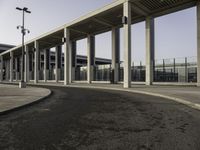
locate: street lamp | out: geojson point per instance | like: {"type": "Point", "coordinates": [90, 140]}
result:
{"type": "Point", "coordinates": [22, 83]}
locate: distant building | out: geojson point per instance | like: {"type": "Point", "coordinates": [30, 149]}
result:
{"type": "Point", "coordinates": [4, 47]}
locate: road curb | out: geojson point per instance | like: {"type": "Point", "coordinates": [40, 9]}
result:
{"type": "Point", "coordinates": [26, 105]}
{"type": "Point", "coordinates": [179, 100]}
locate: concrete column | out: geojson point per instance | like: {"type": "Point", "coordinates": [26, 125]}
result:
{"type": "Point", "coordinates": [46, 64]}
{"type": "Point", "coordinates": [58, 61]}
{"type": "Point", "coordinates": [1, 69]}
{"type": "Point", "coordinates": [90, 58]}
{"type": "Point", "coordinates": [11, 66]}
{"type": "Point", "coordinates": [127, 44]}
{"type": "Point", "coordinates": [116, 53]}
{"type": "Point", "coordinates": [17, 68]}
{"type": "Point", "coordinates": [36, 58]}
{"type": "Point", "coordinates": [7, 66]}
{"type": "Point", "coordinates": [150, 46]}
{"type": "Point", "coordinates": [26, 65]}
{"type": "Point", "coordinates": [31, 65]}
{"type": "Point", "coordinates": [66, 55]}
{"type": "Point", "coordinates": [198, 44]}
{"type": "Point", "coordinates": [72, 61]}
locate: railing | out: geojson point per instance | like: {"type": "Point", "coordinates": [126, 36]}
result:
{"type": "Point", "coordinates": [165, 70]}
{"type": "Point", "coordinates": [81, 73]}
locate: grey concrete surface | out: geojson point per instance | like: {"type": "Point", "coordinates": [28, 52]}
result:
{"type": "Point", "coordinates": [188, 95]}
{"type": "Point", "coordinates": [12, 97]}
{"type": "Point", "coordinates": [96, 119]}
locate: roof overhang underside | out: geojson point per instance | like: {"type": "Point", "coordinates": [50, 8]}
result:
{"type": "Point", "coordinates": [104, 20]}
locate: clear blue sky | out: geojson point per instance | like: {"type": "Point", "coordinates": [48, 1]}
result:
{"type": "Point", "coordinates": [175, 33]}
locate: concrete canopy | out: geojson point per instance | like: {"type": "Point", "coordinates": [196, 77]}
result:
{"type": "Point", "coordinates": [103, 19]}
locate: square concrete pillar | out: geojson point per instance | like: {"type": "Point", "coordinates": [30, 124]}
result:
{"type": "Point", "coordinates": [17, 68]}
{"type": "Point", "coordinates": [72, 61]}
{"type": "Point", "coordinates": [198, 43]}
{"type": "Point", "coordinates": [66, 55]}
{"type": "Point", "coordinates": [11, 66]}
{"type": "Point", "coordinates": [31, 69]}
{"type": "Point", "coordinates": [36, 58]}
{"type": "Point", "coordinates": [7, 68]}
{"type": "Point", "coordinates": [26, 65]}
{"type": "Point", "coordinates": [46, 64]}
{"type": "Point", "coordinates": [90, 58]}
{"type": "Point", "coordinates": [127, 44]}
{"type": "Point", "coordinates": [1, 68]}
{"type": "Point", "coordinates": [115, 53]}
{"type": "Point", "coordinates": [58, 62]}
{"type": "Point", "coordinates": [150, 46]}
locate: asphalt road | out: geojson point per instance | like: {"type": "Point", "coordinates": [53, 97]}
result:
{"type": "Point", "coordinates": [85, 119]}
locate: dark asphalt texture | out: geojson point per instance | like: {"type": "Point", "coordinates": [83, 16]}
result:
{"type": "Point", "coordinates": [85, 119]}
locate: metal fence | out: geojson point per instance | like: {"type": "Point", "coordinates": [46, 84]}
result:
{"type": "Point", "coordinates": [81, 73]}
{"type": "Point", "coordinates": [102, 72]}
{"type": "Point", "coordinates": [165, 70]}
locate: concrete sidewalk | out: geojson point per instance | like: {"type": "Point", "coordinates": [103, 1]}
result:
{"type": "Point", "coordinates": [188, 95]}
{"type": "Point", "coordinates": [12, 97]}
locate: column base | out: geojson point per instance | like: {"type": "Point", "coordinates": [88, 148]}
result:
{"type": "Point", "coordinates": [149, 83]}
{"type": "Point", "coordinates": [22, 84]}
{"type": "Point", "coordinates": [127, 85]}
{"type": "Point", "coordinates": [198, 84]}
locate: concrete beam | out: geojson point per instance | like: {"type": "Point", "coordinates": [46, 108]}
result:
{"type": "Point", "coordinates": [150, 46]}
{"type": "Point", "coordinates": [103, 22]}
{"type": "Point", "coordinates": [78, 31]}
{"type": "Point", "coordinates": [127, 44]}
{"type": "Point", "coordinates": [116, 53]}
{"type": "Point", "coordinates": [140, 10]}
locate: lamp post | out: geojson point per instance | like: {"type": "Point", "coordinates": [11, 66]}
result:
{"type": "Point", "coordinates": [22, 83]}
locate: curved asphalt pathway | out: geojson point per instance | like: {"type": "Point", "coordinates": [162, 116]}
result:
{"type": "Point", "coordinates": [91, 119]}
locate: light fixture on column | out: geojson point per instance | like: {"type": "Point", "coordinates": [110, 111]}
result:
{"type": "Point", "coordinates": [24, 10]}
{"type": "Point", "coordinates": [63, 40]}
{"type": "Point", "coordinates": [124, 20]}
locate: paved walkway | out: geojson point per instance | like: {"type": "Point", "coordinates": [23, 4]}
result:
{"type": "Point", "coordinates": [12, 97]}
{"type": "Point", "coordinates": [188, 95]}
